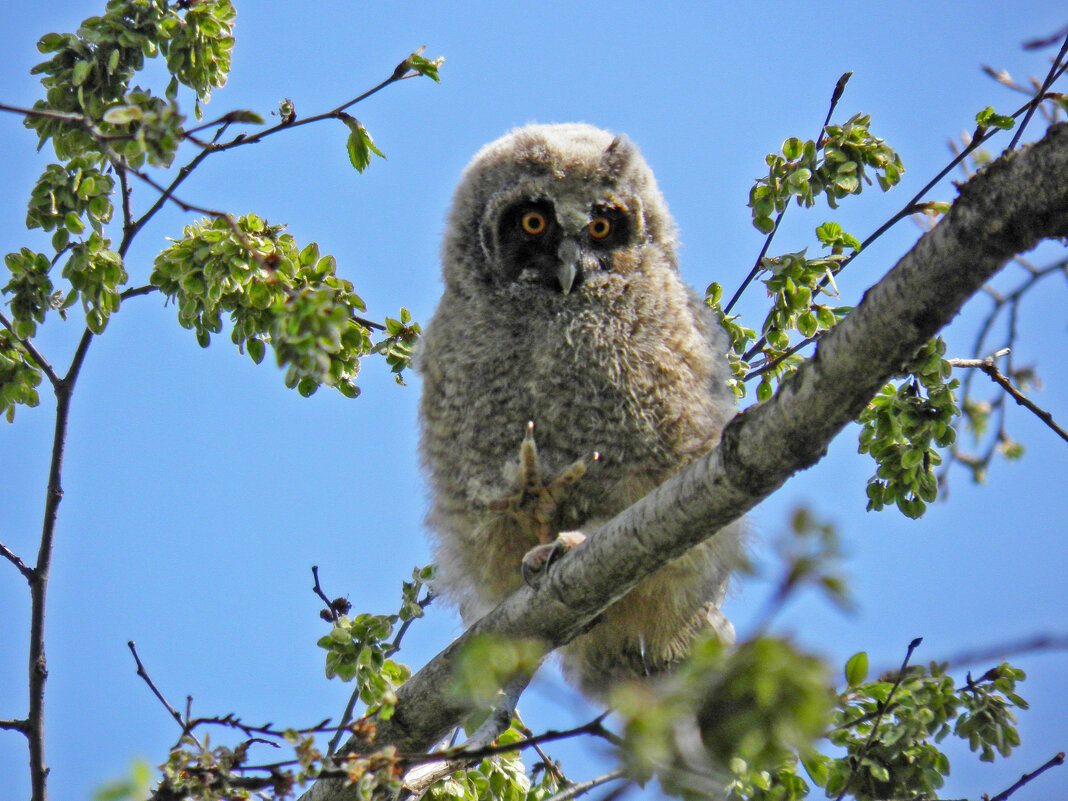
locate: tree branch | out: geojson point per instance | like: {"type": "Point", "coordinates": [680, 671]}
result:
{"type": "Point", "coordinates": [13, 558]}
{"type": "Point", "coordinates": [1006, 209]}
{"type": "Point", "coordinates": [31, 349]}
{"type": "Point", "coordinates": [1057, 760]}
{"type": "Point", "coordinates": [991, 370]}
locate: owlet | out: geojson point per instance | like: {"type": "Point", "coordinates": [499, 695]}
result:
{"type": "Point", "coordinates": [567, 372]}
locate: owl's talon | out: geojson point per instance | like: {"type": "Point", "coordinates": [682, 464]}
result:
{"type": "Point", "coordinates": [538, 560]}
{"type": "Point", "coordinates": [534, 501]}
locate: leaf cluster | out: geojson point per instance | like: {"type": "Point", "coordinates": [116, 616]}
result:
{"type": "Point", "coordinates": [68, 196]}
{"type": "Point", "coordinates": [891, 730]}
{"type": "Point", "coordinates": [102, 128]}
{"type": "Point", "coordinates": [274, 293]}
{"type": "Point", "coordinates": [19, 376]}
{"type": "Point", "coordinates": [836, 167]}
{"type": "Point", "coordinates": [97, 124]}
{"type": "Point", "coordinates": [885, 736]}
{"type": "Point", "coordinates": [360, 648]}
{"type": "Point", "coordinates": [500, 778]}
{"type": "Point", "coordinates": [90, 70]}
{"type": "Point", "coordinates": [903, 426]}
{"type": "Point", "coordinates": [398, 347]}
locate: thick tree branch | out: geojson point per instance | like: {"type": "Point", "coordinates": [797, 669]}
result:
{"type": "Point", "coordinates": [1006, 209]}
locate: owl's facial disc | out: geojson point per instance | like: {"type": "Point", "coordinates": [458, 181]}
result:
{"type": "Point", "coordinates": [535, 246]}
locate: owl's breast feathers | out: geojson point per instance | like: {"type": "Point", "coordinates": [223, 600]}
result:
{"type": "Point", "coordinates": [615, 369]}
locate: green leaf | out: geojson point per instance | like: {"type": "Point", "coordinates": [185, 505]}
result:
{"type": "Point", "coordinates": [80, 73]}
{"type": "Point", "coordinates": [792, 148]}
{"type": "Point", "coordinates": [423, 66]}
{"type": "Point", "coordinates": [360, 144]}
{"type": "Point", "coordinates": [250, 117]}
{"type": "Point", "coordinates": [120, 115]}
{"type": "Point", "coordinates": [73, 223]}
{"type": "Point", "coordinates": [856, 669]}
{"type": "Point", "coordinates": [764, 224]}
{"type": "Point", "coordinates": [256, 350]}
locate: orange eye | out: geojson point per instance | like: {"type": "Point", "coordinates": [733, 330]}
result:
{"type": "Point", "coordinates": [600, 227]}
{"type": "Point", "coordinates": [533, 223]}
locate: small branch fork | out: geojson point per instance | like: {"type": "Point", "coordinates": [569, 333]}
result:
{"type": "Point", "coordinates": [883, 707]}
{"type": "Point", "coordinates": [451, 758]}
{"type": "Point", "coordinates": [989, 366]}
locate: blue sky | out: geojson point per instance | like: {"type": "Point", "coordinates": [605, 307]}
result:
{"type": "Point", "coordinates": [199, 491]}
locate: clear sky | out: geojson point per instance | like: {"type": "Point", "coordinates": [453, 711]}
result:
{"type": "Point", "coordinates": [199, 491]}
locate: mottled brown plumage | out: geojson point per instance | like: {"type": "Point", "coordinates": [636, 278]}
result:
{"type": "Point", "coordinates": [563, 307]}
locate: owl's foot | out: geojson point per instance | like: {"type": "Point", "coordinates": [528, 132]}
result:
{"type": "Point", "coordinates": [534, 501]}
{"type": "Point", "coordinates": [538, 559]}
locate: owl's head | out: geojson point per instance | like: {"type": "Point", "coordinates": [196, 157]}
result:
{"type": "Point", "coordinates": [557, 207]}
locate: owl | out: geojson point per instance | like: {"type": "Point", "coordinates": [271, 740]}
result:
{"type": "Point", "coordinates": [568, 371]}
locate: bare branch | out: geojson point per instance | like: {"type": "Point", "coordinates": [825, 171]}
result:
{"type": "Point", "coordinates": [991, 370]}
{"type": "Point", "coordinates": [318, 590]}
{"type": "Point", "coordinates": [1043, 642]}
{"type": "Point", "coordinates": [989, 366]}
{"type": "Point", "coordinates": [140, 290]}
{"type": "Point", "coordinates": [581, 788]}
{"type": "Point", "coordinates": [23, 568]}
{"type": "Point", "coordinates": [1056, 70]}
{"type": "Point", "coordinates": [1056, 761]}
{"type": "Point", "coordinates": [174, 713]}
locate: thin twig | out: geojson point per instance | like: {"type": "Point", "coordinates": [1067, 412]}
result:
{"type": "Point", "coordinates": [15, 725]}
{"type": "Point", "coordinates": [23, 568]}
{"type": "Point", "coordinates": [1046, 41]}
{"type": "Point", "coordinates": [839, 88]}
{"type": "Point", "coordinates": [183, 173]}
{"type": "Point", "coordinates": [38, 667]}
{"type": "Point", "coordinates": [139, 290]}
{"type": "Point", "coordinates": [1045, 642]}
{"type": "Point", "coordinates": [318, 590]}
{"type": "Point", "coordinates": [396, 644]}
{"type": "Point", "coordinates": [882, 710]}
{"type": "Point", "coordinates": [594, 728]}
{"type": "Point", "coordinates": [550, 765]}
{"type": "Point", "coordinates": [174, 713]}
{"type": "Point", "coordinates": [782, 357]}
{"type": "Point", "coordinates": [1054, 762]}
{"type": "Point", "coordinates": [989, 367]}
{"type": "Point", "coordinates": [575, 790]}
{"type": "Point", "coordinates": [1055, 70]}
{"type": "Point", "coordinates": [127, 212]}
{"type": "Point", "coordinates": [41, 361]}
{"type": "Point", "coordinates": [244, 139]}
{"type": "Point", "coordinates": [267, 730]}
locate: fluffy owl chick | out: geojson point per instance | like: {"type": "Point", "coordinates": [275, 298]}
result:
{"type": "Point", "coordinates": [563, 307]}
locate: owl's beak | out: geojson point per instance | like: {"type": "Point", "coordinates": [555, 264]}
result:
{"type": "Point", "coordinates": [565, 274]}
{"type": "Point", "coordinates": [571, 264]}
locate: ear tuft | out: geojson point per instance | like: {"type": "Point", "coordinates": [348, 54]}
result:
{"type": "Point", "coordinates": [617, 155]}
